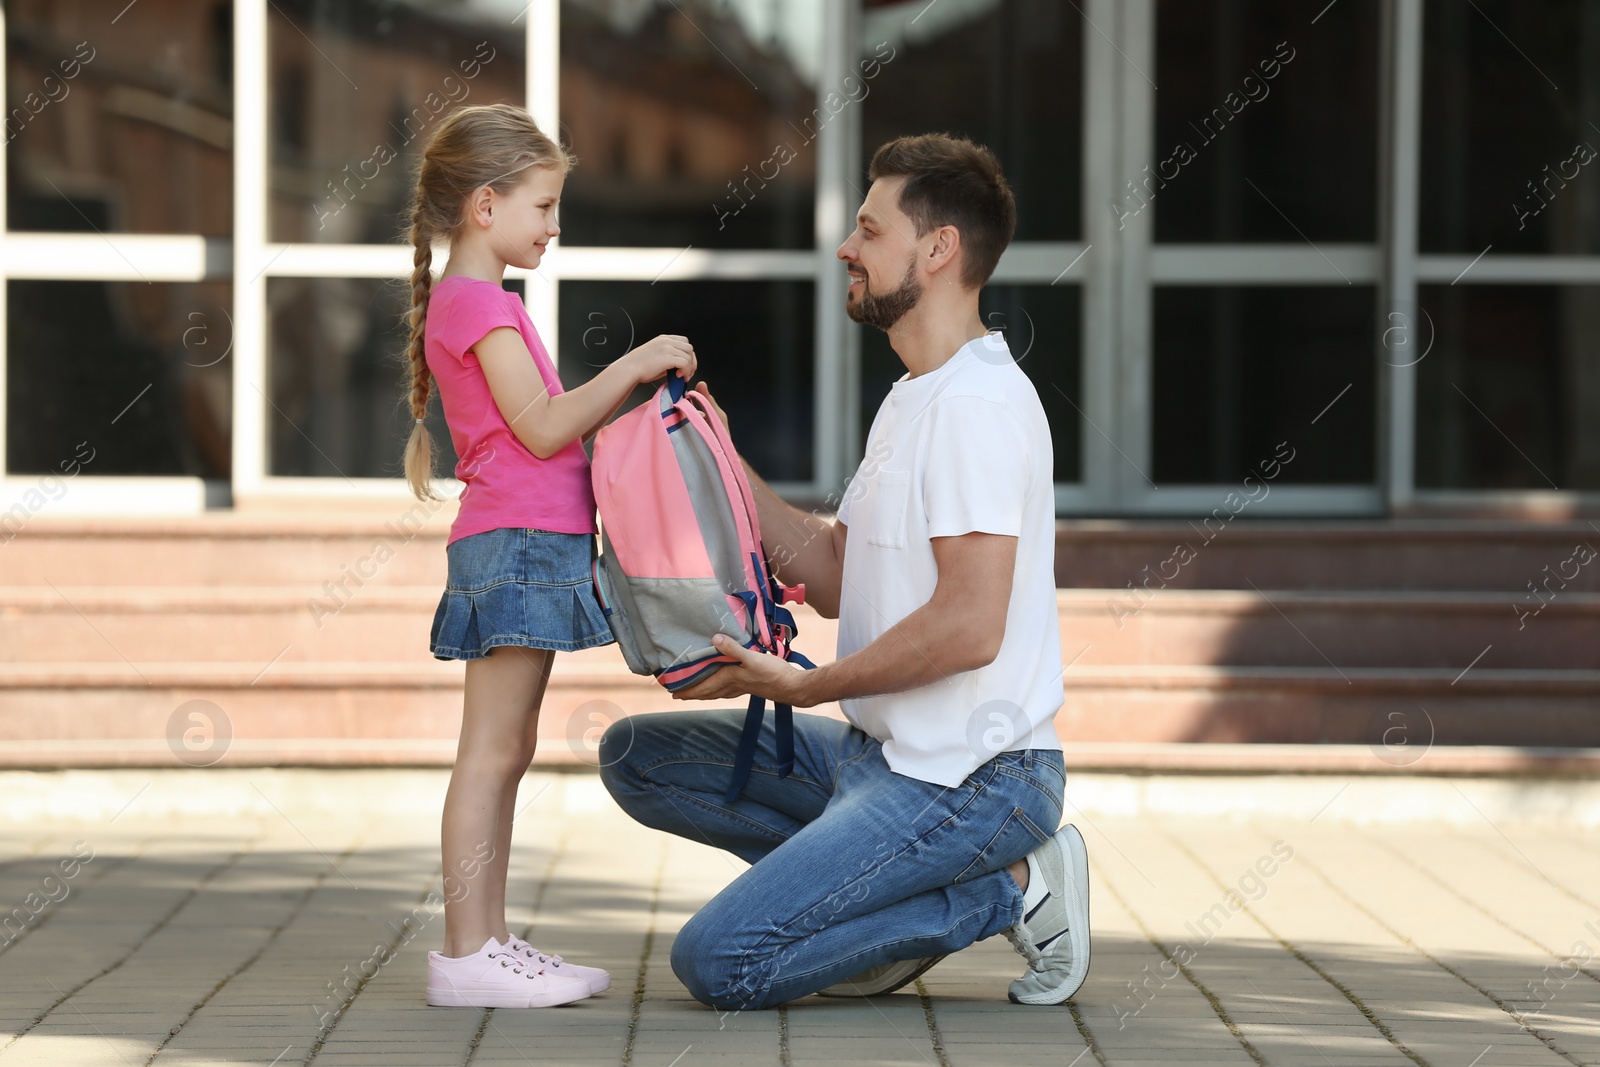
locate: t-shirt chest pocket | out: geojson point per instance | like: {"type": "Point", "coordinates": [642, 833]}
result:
{"type": "Point", "coordinates": [886, 520]}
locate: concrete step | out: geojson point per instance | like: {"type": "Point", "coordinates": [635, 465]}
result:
{"type": "Point", "coordinates": [188, 624]}
{"type": "Point", "coordinates": [1316, 629]}
{"type": "Point", "coordinates": [185, 624]}
{"type": "Point", "coordinates": [1396, 636]}
{"type": "Point", "coordinates": [1327, 554]}
{"type": "Point", "coordinates": [153, 713]}
{"type": "Point", "coordinates": [233, 549]}
{"type": "Point", "coordinates": [406, 548]}
{"type": "Point", "coordinates": [145, 713]}
{"type": "Point", "coordinates": [1398, 711]}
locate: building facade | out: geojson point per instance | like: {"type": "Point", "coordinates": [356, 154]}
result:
{"type": "Point", "coordinates": [1335, 259]}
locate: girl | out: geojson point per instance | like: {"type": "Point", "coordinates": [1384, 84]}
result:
{"type": "Point", "coordinates": [520, 549]}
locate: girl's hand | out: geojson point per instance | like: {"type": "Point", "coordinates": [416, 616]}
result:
{"type": "Point", "coordinates": [660, 356]}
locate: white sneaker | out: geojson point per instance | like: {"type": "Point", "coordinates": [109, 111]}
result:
{"type": "Point", "coordinates": [1054, 935]}
{"type": "Point", "coordinates": [596, 979]}
{"type": "Point", "coordinates": [493, 977]}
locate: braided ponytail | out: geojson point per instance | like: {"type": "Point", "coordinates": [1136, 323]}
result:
{"type": "Point", "coordinates": [419, 446]}
{"type": "Point", "coordinates": [490, 145]}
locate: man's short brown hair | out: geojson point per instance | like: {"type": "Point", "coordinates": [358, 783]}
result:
{"type": "Point", "coordinates": [950, 181]}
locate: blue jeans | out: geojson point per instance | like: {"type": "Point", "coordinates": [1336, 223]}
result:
{"type": "Point", "coordinates": [854, 865]}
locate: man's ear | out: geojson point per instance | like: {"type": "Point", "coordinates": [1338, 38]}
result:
{"type": "Point", "coordinates": [946, 249]}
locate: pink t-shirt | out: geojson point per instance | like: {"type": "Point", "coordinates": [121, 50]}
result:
{"type": "Point", "coordinates": [506, 486]}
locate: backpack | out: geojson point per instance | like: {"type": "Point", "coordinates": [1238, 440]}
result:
{"type": "Point", "coordinates": [681, 556]}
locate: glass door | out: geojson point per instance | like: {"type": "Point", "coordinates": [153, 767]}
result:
{"type": "Point", "coordinates": [1242, 215]}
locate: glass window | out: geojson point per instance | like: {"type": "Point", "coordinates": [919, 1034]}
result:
{"type": "Point", "coordinates": [1006, 74]}
{"type": "Point", "coordinates": [354, 92]}
{"type": "Point", "coordinates": [1240, 370]}
{"type": "Point", "coordinates": [694, 121]}
{"type": "Point", "coordinates": [1510, 142]}
{"type": "Point", "coordinates": [1509, 395]}
{"type": "Point", "coordinates": [122, 129]}
{"type": "Point", "coordinates": [139, 371]}
{"type": "Point", "coordinates": [1041, 324]}
{"type": "Point", "coordinates": [753, 341]}
{"type": "Point", "coordinates": [1266, 123]}
{"type": "Point", "coordinates": [341, 379]}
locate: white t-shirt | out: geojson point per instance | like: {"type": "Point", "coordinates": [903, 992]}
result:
{"type": "Point", "coordinates": [960, 449]}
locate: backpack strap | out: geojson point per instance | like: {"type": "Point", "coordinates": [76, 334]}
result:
{"type": "Point", "coordinates": [782, 723]}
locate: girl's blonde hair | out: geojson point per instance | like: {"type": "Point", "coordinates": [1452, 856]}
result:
{"type": "Point", "coordinates": [482, 145]}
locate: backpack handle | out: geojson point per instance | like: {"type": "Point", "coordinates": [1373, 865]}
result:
{"type": "Point", "coordinates": [675, 386]}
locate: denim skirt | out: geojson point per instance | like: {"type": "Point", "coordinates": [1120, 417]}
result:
{"type": "Point", "coordinates": [515, 586]}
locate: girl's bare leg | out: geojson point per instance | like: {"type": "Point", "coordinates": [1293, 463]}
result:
{"type": "Point", "coordinates": [500, 712]}
{"type": "Point", "coordinates": [508, 808]}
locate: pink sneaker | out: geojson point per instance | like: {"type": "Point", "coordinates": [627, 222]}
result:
{"type": "Point", "coordinates": [596, 979]}
{"type": "Point", "coordinates": [493, 977]}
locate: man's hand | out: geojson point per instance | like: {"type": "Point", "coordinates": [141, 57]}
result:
{"type": "Point", "coordinates": [756, 674]}
{"type": "Point", "coordinates": [705, 390]}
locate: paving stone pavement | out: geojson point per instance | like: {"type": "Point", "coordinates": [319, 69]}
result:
{"type": "Point", "coordinates": [212, 917]}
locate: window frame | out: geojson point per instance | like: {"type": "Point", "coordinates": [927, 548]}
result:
{"type": "Point", "coordinates": [1116, 269]}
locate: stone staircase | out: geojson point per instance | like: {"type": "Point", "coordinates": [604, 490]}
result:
{"type": "Point", "coordinates": [302, 638]}
{"type": "Point", "coordinates": [1375, 633]}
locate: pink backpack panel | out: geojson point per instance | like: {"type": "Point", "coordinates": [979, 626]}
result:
{"type": "Point", "coordinates": [682, 557]}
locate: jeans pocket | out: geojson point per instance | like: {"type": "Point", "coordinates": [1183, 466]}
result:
{"type": "Point", "coordinates": [1017, 837]}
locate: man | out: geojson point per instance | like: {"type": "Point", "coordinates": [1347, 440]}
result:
{"type": "Point", "coordinates": [923, 823]}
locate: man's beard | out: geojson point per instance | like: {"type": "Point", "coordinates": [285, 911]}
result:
{"type": "Point", "coordinates": [886, 310]}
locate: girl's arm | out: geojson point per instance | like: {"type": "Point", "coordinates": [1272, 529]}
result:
{"type": "Point", "coordinates": [596, 427]}
{"type": "Point", "coordinates": [546, 424]}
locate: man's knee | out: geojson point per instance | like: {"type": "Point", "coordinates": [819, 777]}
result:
{"type": "Point", "coordinates": [699, 961]}
{"type": "Point", "coordinates": [615, 771]}
{"type": "Point", "coordinates": [708, 961]}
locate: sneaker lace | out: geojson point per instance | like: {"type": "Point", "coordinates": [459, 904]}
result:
{"type": "Point", "coordinates": [1018, 936]}
{"type": "Point", "coordinates": [523, 946]}
{"type": "Point", "coordinates": [515, 962]}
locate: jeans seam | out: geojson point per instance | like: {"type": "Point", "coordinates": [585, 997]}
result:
{"type": "Point", "coordinates": [958, 922]}
{"type": "Point", "coordinates": [1016, 813]}
{"type": "Point", "coordinates": [842, 764]}
{"type": "Point", "coordinates": [906, 846]}
{"type": "Point", "coordinates": [581, 584]}
{"type": "Point", "coordinates": [977, 791]}
{"type": "Point", "coordinates": [746, 820]}
{"type": "Point", "coordinates": [1042, 786]}
{"type": "Point", "coordinates": [669, 761]}
{"type": "Point", "coordinates": [781, 930]}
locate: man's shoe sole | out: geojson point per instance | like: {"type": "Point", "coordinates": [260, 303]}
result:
{"type": "Point", "coordinates": [1077, 926]}
{"type": "Point", "coordinates": [876, 981]}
